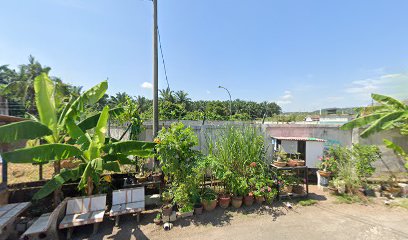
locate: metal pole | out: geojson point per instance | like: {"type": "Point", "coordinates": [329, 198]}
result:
{"type": "Point", "coordinates": [229, 98]}
{"type": "Point", "coordinates": [155, 73]}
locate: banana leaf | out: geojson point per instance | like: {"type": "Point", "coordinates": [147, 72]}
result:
{"type": "Point", "coordinates": [91, 121]}
{"type": "Point", "coordinates": [58, 180]}
{"type": "Point", "coordinates": [45, 102]}
{"type": "Point", "coordinates": [386, 100]}
{"type": "Point", "coordinates": [385, 123]}
{"type": "Point", "coordinates": [121, 158]}
{"type": "Point", "coordinates": [111, 166]}
{"type": "Point", "coordinates": [136, 148]}
{"type": "Point", "coordinates": [361, 121]}
{"type": "Point", "coordinates": [91, 96]}
{"type": "Point", "coordinates": [22, 131]}
{"type": "Point", "coordinates": [42, 154]}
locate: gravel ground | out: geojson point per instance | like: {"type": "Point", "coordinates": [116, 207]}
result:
{"type": "Point", "coordinates": [325, 220]}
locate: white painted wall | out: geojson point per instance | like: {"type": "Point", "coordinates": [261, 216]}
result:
{"type": "Point", "coordinates": [289, 146]}
{"type": "Point", "coordinates": [314, 150]}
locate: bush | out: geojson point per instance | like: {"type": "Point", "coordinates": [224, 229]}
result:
{"type": "Point", "coordinates": [352, 166]}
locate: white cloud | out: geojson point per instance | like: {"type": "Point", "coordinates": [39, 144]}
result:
{"type": "Point", "coordinates": [208, 92]}
{"type": "Point", "coordinates": [389, 84]}
{"type": "Point", "coordinates": [147, 85]}
{"type": "Point", "coordinates": [285, 99]}
{"type": "Point", "coordinates": [366, 86]}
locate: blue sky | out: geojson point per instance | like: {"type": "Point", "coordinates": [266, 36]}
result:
{"type": "Point", "coordinates": [303, 54]}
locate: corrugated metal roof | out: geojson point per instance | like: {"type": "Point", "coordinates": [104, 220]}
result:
{"type": "Point", "coordinates": [300, 139]}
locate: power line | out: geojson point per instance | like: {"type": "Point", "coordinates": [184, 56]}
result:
{"type": "Point", "coordinates": [164, 64]}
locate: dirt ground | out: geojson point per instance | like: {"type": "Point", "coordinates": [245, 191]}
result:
{"type": "Point", "coordinates": [325, 220]}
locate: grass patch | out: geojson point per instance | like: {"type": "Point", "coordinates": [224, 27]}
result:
{"type": "Point", "coordinates": [348, 199]}
{"type": "Point", "coordinates": [308, 202]}
{"type": "Point", "coordinates": [400, 203]}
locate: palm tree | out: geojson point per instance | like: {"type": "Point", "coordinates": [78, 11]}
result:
{"type": "Point", "coordinates": [182, 98]}
{"type": "Point", "coordinates": [167, 95]}
{"type": "Point", "coordinates": [21, 86]}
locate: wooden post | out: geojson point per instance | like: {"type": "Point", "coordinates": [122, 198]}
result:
{"type": "Point", "coordinates": [40, 172]}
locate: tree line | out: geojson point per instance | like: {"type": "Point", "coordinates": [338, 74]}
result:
{"type": "Point", "coordinates": [16, 85]}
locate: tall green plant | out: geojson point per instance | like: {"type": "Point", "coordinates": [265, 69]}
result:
{"type": "Point", "coordinates": [179, 160]}
{"type": "Point", "coordinates": [239, 156]}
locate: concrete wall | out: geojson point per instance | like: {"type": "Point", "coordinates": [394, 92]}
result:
{"type": "Point", "coordinates": [334, 136]}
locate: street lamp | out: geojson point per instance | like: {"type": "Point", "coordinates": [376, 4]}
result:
{"type": "Point", "coordinates": [229, 98]}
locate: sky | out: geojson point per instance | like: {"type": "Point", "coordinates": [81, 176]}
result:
{"type": "Point", "coordinates": [304, 54]}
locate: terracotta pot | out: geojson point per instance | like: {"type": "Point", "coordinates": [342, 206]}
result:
{"type": "Point", "coordinates": [260, 199]}
{"type": "Point", "coordinates": [237, 201]}
{"type": "Point", "coordinates": [301, 162]}
{"type": "Point", "coordinates": [224, 201]}
{"type": "Point", "coordinates": [279, 164]}
{"type": "Point", "coordinates": [166, 211]}
{"type": "Point", "coordinates": [198, 209]}
{"type": "Point", "coordinates": [287, 189]}
{"type": "Point", "coordinates": [209, 205]}
{"type": "Point", "coordinates": [298, 189]}
{"type": "Point", "coordinates": [141, 179]}
{"type": "Point", "coordinates": [248, 200]}
{"type": "Point", "coordinates": [292, 163]}
{"type": "Point", "coordinates": [325, 174]}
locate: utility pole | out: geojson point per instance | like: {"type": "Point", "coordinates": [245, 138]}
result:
{"type": "Point", "coordinates": [155, 73]}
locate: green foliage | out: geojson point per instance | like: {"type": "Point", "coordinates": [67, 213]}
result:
{"type": "Point", "coordinates": [348, 199]}
{"type": "Point", "coordinates": [400, 203]}
{"type": "Point", "coordinates": [353, 165]}
{"type": "Point", "coordinates": [308, 202]}
{"type": "Point", "coordinates": [89, 147]}
{"type": "Point", "coordinates": [180, 161]}
{"type": "Point", "coordinates": [238, 155]}
{"type": "Point", "coordinates": [10, 132]}
{"type": "Point", "coordinates": [208, 194]}
{"type": "Point", "coordinates": [365, 156]}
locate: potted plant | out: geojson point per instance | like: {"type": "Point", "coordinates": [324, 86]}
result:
{"type": "Point", "coordinates": [270, 194]}
{"type": "Point", "coordinates": [198, 208]}
{"type": "Point", "coordinates": [167, 197]}
{"type": "Point", "coordinates": [167, 209]}
{"type": "Point", "coordinates": [281, 159]}
{"type": "Point", "coordinates": [324, 166]}
{"type": "Point", "coordinates": [299, 162]}
{"type": "Point", "coordinates": [249, 199]}
{"type": "Point", "coordinates": [298, 189]}
{"type": "Point", "coordinates": [288, 180]}
{"type": "Point", "coordinates": [157, 220]}
{"type": "Point", "coordinates": [157, 174]}
{"type": "Point", "coordinates": [186, 210]}
{"type": "Point", "coordinates": [224, 200]}
{"type": "Point", "coordinates": [292, 162]}
{"type": "Point", "coordinates": [142, 176]}
{"type": "Point", "coordinates": [209, 199]}
{"type": "Point", "coordinates": [239, 186]}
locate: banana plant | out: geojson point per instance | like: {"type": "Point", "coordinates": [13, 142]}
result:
{"type": "Point", "coordinates": [391, 113]}
{"type": "Point", "coordinates": [54, 130]}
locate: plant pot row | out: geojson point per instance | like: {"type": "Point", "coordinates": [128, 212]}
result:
{"type": "Point", "coordinates": [290, 163]}
{"type": "Point", "coordinates": [149, 177]}
{"type": "Point", "coordinates": [224, 201]}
